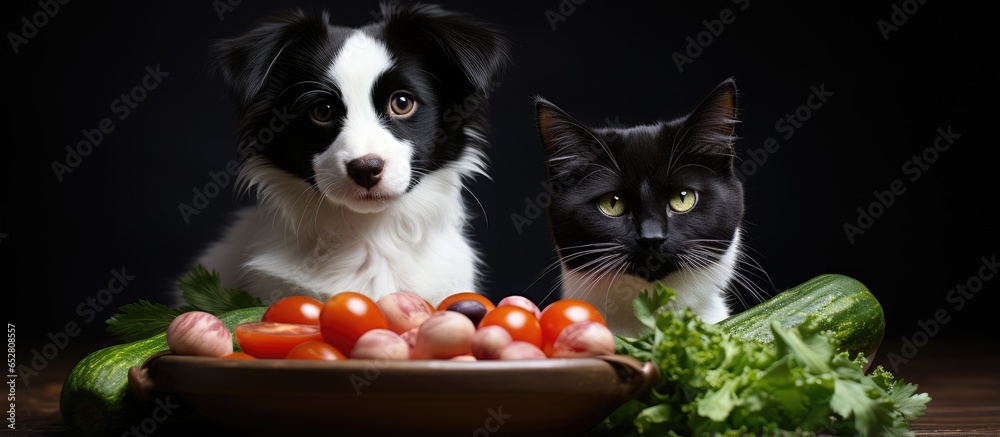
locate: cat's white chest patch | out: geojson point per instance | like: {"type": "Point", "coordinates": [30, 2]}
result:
{"type": "Point", "coordinates": [703, 289]}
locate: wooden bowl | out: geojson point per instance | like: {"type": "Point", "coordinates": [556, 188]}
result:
{"type": "Point", "coordinates": [414, 397]}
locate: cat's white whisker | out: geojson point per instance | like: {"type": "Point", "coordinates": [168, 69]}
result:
{"type": "Point", "coordinates": [744, 265]}
{"type": "Point", "coordinates": [742, 277]}
{"type": "Point", "coordinates": [592, 248]}
{"type": "Point", "coordinates": [601, 142]}
{"type": "Point", "coordinates": [562, 158]}
{"type": "Point", "coordinates": [675, 155]}
{"type": "Point", "coordinates": [593, 276]}
{"type": "Point", "coordinates": [616, 267]}
{"type": "Point", "coordinates": [695, 166]}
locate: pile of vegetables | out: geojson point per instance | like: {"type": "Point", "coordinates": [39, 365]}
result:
{"type": "Point", "coordinates": [465, 326]}
{"type": "Point", "coordinates": [95, 397]}
{"type": "Point", "coordinates": [229, 323]}
{"type": "Point", "coordinates": [717, 382]}
{"type": "Point", "coordinates": [794, 364]}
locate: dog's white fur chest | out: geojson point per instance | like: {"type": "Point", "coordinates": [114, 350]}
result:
{"type": "Point", "coordinates": [417, 244]}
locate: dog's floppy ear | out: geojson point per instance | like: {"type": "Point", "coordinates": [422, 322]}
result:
{"type": "Point", "coordinates": [243, 63]}
{"type": "Point", "coordinates": [479, 50]}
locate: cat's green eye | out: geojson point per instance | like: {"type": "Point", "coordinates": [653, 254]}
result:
{"type": "Point", "coordinates": [683, 200]}
{"type": "Point", "coordinates": [612, 205]}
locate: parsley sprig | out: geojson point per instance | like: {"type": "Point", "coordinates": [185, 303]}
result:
{"type": "Point", "coordinates": [201, 290]}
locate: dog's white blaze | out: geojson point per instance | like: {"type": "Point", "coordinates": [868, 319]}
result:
{"type": "Point", "coordinates": [296, 241]}
{"type": "Point", "coordinates": [355, 69]}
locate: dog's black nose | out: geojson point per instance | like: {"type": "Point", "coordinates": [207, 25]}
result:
{"type": "Point", "coordinates": [366, 170]}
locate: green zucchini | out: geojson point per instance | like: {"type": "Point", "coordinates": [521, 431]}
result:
{"type": "Point", "coordinates": [835, 303]}
{"type": "Point", "coordinates": [95, 398]}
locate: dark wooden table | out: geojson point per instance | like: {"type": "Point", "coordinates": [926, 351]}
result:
{"type": "Point", "coordinates": [963, 380]}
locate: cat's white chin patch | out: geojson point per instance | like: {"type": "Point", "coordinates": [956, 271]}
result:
{"type": "Point", "coordinates": [702, 289]}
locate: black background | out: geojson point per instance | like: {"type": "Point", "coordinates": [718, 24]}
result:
{"type": "Point", "coordinates": [607, 60]}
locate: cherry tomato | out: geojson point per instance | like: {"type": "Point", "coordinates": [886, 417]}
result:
{"type": "Point", "coordinates": [346, 316]}
{"type": "Point", "coordinates": [273, 339]}
{"type": "Point", "coordinates": [294, 309]}
{"type": "Point", "coordinates": [519, 322]}
{"type": "Point", "coordinates": [562, 313]}
{"type": "Point", "coordinates": [466, 295]}
{"type": "Point", "coordinates": [315, 350]}
{"type": "Point", "coordinates": [239, 356]}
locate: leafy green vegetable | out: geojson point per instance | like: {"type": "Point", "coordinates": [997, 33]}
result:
{"type": "Point", "coordinates": [715, 384]}
{"type": "Point", "coordinates": [201, 289]}
{"type": "Point", "coordinates": [141, 320]}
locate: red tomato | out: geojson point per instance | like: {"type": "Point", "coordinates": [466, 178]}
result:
{"type": "Point", "coordinates": [273, 339]}
{"type": "Point", "coordinates": [315, 350]}
{"type": "Point", "coordinates": [346, 316]}
{"type": "Point", "coordinates": [519, 322]}
{"type": "Point", "coordinates": [466, 295]}
{"type": "Point", "coordinates": [239, 356]}
{"type": "Point", "coordinates": [294, 309]}
{"type": "Point", "coordinates": [562, 313]}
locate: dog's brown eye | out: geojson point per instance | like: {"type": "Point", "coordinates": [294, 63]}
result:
{"type": "Point", "coordinates": [322, 114]}
{"type": "Point", "coordinates": [401, 104]}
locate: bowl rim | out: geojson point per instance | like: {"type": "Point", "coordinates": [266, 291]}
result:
{"type": "Point", "coordinates": [155, 376]}
{"type": "Point", "coordinates": [582, 391]}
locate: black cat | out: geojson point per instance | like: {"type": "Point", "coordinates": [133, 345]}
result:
{"type": "Point", "coordinates": [636, 205]}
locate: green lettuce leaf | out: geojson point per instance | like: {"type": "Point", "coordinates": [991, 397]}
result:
{"type": "Point", "coordinates": [714, 384]}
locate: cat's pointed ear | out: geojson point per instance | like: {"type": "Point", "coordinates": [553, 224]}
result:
{"type": "Point", "coordinates": [563, 137]}
{"type": "Point", "coordinates": [712, 124]}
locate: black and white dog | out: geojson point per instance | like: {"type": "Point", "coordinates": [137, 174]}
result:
{"type": "Point", "coordinates": [357, 142]}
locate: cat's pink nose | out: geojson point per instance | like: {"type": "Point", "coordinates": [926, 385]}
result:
{"type": "Point", "coordinates": [366, 170]}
